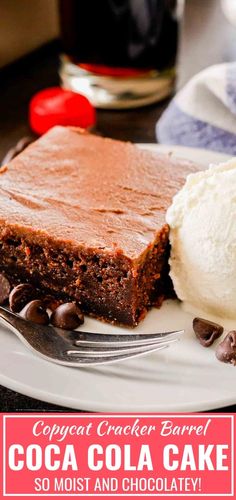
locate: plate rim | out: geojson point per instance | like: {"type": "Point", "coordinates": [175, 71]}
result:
{"type": "Point", "coordinates": [92, 407]}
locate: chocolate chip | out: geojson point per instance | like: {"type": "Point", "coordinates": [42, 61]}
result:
{"type": "Point", "coordinates": [206, 331]}
{"type": "Point", "coordinates": [21, 295]}
{"type": "Point", "coordinates": [18, 148]}
{"type": "Point", "coordinates": [50, 302]}
{"type": "Point", "coordinates": [4, 288]}
{"type": "Point", "coordinates": [35, 311]}
{"type": "Point", "coordinates": [226, 350]}
{"type": "Point", "coordinates": [67, 316]}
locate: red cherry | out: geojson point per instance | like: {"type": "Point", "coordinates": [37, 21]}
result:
{"type": "Point", "coordinates": [57, 106]}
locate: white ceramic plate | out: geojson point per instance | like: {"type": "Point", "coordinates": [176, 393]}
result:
{"type": "Point", "coordinates": [184, 377]}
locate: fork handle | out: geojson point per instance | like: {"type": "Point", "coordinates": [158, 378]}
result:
{"type": "Point", "coordinates": [7, 317]}
{"type": "Point", "coordinates": [21, 327]}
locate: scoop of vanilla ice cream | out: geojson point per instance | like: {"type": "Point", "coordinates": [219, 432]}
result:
{"type": "Point", "coordinates": [202, 220]}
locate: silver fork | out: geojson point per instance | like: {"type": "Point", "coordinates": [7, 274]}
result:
{"type": "Point", "coordinates": [77, 348]}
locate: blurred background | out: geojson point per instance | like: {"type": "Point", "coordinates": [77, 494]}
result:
{"type": "Point", "coordinates": [25, 26]}
{"type": "Point", "coordinates": [30, 49]}
{"type": "Point", "coordinates": [208, 31]}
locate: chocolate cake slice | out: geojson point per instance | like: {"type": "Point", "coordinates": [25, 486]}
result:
{"type": "Point", "coordinates": [83, 219]}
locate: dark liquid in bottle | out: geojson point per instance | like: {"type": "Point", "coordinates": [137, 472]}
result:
{"type": "Point", "coordinates": [138, 34]}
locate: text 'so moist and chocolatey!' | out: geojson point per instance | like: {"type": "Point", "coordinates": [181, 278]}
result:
{"type": "Point", "coordinates": [82, 219]}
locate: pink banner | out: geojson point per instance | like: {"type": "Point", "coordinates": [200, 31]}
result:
{"type": "Point", "coordinates": [102, 456]}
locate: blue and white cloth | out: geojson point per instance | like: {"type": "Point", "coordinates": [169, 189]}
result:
{"type": "Point", "coordinates": [203, 113]}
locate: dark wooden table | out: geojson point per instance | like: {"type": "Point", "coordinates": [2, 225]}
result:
{"type": "Point", "coordinates": [207, 38]}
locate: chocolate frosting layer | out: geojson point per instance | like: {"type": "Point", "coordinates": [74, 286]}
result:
{"type": "Point", "coordinates": [86, 190]}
